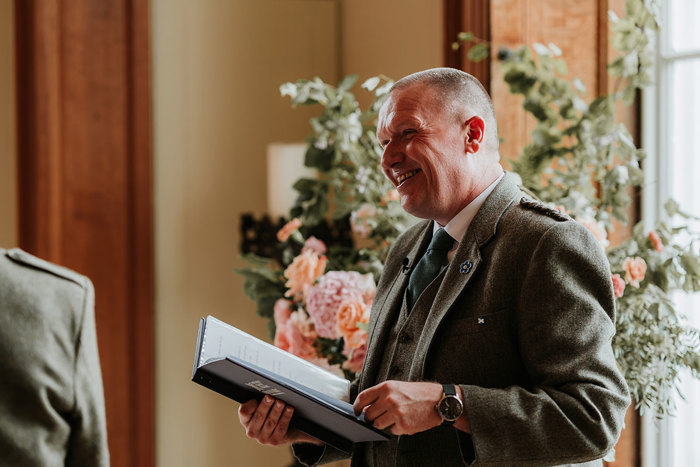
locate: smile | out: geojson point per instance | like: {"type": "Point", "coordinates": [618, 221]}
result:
{"type": "Point", "coordinates": [406, 175]}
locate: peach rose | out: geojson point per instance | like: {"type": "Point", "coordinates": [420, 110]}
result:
{"type": "Point", "coordinates": [301, 274]}
{"type": "Point", "coordinates": [351, 312]}
{"type": "Point", "coordinates": [355, 340]}
{"type": "Point", "coordinates": [656, 241]}
{"type": "Point", "coordinates": [635, 269]}
{"type": "Point", "coordinates": [618, 285]}
{"type": "Point", "coordinates": [288, 229]}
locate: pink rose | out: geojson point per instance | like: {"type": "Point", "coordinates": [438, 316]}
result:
{"type": "Point", "coordinates": [618, 285]}
{"type": "Point", "coordinates": [282, 312]}
{"type": "Point", "coordinates": [656, 241]}
{"type": "Point", "coordinates": [288, 229]}
{"type": "Point", "coordinates": [314, 244]}
{"type": "Point", "coordinates": [635, 269]}
{"type": "Point", "coordinates": [297, 336]}
{"type": "Point", "coordinates": [355, 359]}
{"type": "Point", "coordinates": [302, 273]}
{"type": "Point", "coordinates": [324, 299]}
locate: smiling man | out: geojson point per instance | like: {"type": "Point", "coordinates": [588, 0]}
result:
{"type": "Point", "coordinates": [490, 334]}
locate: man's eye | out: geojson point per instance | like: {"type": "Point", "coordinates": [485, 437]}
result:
{"type": "Point", "coordinates": [409, 131]}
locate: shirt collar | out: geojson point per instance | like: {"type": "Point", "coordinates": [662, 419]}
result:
{"type": "Point", "coordinates": [459, 224]}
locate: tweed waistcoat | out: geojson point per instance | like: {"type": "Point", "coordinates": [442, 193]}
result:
{"type": "Point", "coordinates": [397, 360]}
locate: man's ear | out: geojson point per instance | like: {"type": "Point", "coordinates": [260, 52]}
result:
{"type": "Point", "coordinates": [474, 128]}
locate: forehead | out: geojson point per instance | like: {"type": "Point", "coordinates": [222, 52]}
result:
{"type": "Point", "coordinates": [417, 102]}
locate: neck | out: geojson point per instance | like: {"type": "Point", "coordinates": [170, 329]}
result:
{"type": "Point", "coordinates": [487, 177]}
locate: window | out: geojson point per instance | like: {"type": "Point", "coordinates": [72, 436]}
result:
{"type": "Point", "coordinates": [671, 130]}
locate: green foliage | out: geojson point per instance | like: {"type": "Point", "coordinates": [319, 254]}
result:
{"type": "Point", "coordinates": [344, 150]}
{"type": "Point", "coordinates": [263, 284]}
{"type": "Point", "coordinates": [580, 159]}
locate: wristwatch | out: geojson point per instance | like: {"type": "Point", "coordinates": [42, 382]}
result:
{"type": "Point", "coordinates": [449, 407]}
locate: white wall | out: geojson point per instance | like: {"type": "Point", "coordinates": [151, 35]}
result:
{"type": "Point", "coordinates": [217, 66]}
{"type": "Point", "coordinates": [8, 172]}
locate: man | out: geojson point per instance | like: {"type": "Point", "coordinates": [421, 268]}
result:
{"type": "Point", "coordinates": [51, 400]}
{"type": "Point", "coordinates": [490, 335]}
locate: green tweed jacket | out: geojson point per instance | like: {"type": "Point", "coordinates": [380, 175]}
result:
{"type": "Point", "coordinates": [51, 399]}
{"type": "Point", "coordinates": [522, 320]}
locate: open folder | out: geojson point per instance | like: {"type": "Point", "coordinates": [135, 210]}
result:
{"type": "Point", "coordinates": [241, 367]}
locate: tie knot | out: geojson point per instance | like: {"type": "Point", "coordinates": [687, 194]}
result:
{"type": "Point", "coordinates": [441, 241]}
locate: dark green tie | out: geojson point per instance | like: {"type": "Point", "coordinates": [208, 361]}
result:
{"type": "Point", "coordinates": [429, 265]}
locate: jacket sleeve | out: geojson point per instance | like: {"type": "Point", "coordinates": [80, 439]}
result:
{"type": "Point", "coordinates": [565, 321]}
{"type": "Point", "coordinates": [88, 439]}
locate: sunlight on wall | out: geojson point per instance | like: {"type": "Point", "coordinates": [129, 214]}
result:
{"type": "Point", "coordinates": [8, 183]}
{"type": "Point", "coordinates": [217, 67]}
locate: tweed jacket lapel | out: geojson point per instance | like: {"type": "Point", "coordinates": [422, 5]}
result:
{"type": "Point", "coordinates": [464, 265]}
{"type": "Point", "coordinates": [388, 305]}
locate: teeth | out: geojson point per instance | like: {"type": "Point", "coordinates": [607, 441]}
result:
{"type": "Point", "coordinates": [406, 175]}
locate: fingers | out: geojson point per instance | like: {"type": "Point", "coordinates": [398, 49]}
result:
{"type": "Point", "coordinates": [270, 423]}
{"type": "Point", "coordinates": [246, 411]}
{"type": "Point", "coordinates": [255, 424]}
{"type": "Point", "coordinates": [279, 434]}
{"type": "Point", "coordinates": [267, 422]}
{"type": "Point", "coordinates": [365, 398]}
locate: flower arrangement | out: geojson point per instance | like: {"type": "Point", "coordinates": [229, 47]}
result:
{"type": "Point", "coordinates": [579, 160]}
{"type": "Point", "coordinates": [319, 297]}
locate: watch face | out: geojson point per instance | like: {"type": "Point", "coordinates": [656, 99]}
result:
{"type": "Point", "coordinates": [450, 408]}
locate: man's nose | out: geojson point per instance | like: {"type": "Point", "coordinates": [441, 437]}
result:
{"type": "Point", "coordinates": [392, 154]}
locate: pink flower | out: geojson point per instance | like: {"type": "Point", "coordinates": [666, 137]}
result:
{"type": "Point", "coordinates": [324, 299]}
{"type": "Point", "coordinates": [314, 244]}
{"type": "Point", "coordinates": [282, 312]}
{"type": "Point", "coordinates": [656, 241]}
{"type": "Point", "coordinates": [635, 269]}
{"type": "Point", "coordinates": [297, 336]}
{"type": "Point", "coordinates": [618, 285]}
{"type": "Point", "coordinates": [597, 229]}
{"type": "Point", "coordinates": [359, 220]}
{"type": "Point", "coordinates": [288, 229]}
{"type": "Point", "coordinates": [302, 273]}
{"type": "Point", "coordinates": [356, 358]}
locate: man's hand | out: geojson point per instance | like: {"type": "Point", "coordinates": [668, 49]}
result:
{"type": "Point", "coordinates": [406, 407]}
{"type": "Point", "coordinates": [267, 422]}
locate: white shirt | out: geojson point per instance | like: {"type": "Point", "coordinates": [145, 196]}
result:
{"type": "Point", "coordinates": [459, 224]}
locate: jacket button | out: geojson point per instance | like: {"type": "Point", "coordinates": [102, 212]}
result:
{"type": "Point", "coordinates": [395, 371]}
{"type": "Point", "coordinates": [405, 338]}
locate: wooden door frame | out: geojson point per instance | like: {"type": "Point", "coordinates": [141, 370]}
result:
{"type": "Point", "coordinates": [48, 39]}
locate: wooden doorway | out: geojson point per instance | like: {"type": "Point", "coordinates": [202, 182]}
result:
{"type": "Point", "coordinates": [85, 188]}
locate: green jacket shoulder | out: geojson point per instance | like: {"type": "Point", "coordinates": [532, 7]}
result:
{"type": "Point", "coordinates": [25, 259]}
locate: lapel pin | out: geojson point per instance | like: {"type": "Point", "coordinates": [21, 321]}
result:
{"type": "Point", "coordinates": [480, 321]}
{"type": "Point", "coordinates": [465, 267]}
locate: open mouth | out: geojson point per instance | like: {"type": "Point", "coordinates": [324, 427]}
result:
{"type": "Point", "coordinates": [405, 176]}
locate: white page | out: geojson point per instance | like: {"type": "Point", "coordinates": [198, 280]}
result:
{"type": "Point", "coordinates": [221, 340]}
